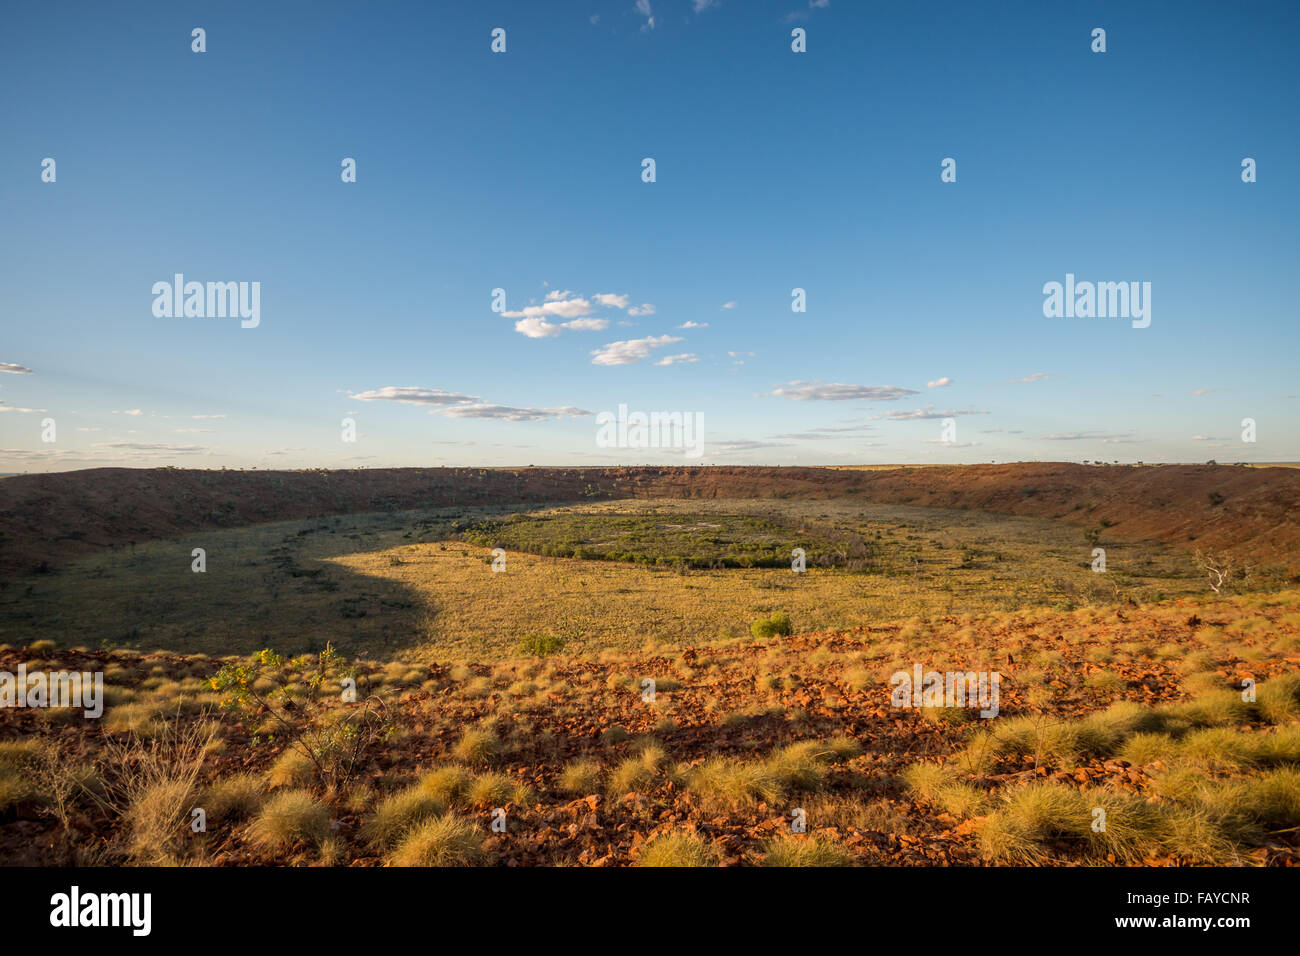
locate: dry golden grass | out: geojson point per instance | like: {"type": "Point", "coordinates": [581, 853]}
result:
{"type": "Point", "coordinates": [443, 841]}
{"type": "Point", "coordinates": [678, 848]}
{"type": "Point", "coordinates": [288, 818]}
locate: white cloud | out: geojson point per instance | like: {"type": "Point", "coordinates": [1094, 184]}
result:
{"type": "Point", "coordinates": [412, 395]}
{"type": "Point", "coordinates": [824, 434]}
{"type": "Point", "coordinates": [835, 392]}
{"type": "Point", "coordinates": [1036, 377]}
{"type": "Point", "coordinates": [14, 369]}
{"type": "Point", "coordinates": [694, 325]}
{"type": "Point", "coordinates": [151, 446]}
{"type": "Point", "coordinates": [456, 405]}
{"type": "Point", "coordinates": [743, 444]}
{"type": "Point", "coordinates": [1092, 436]}
{"type": "Point", "coordinates": [939, 382]}
{"type": "Point", "coordinates": [729, 305]}
{"type": "Point", "coordinates": [922, 413]}
{"type": "Point", "coordinates": [643, 8]}
{"type": "Point", "coordinates": [588, 325]}
{"type": "Point", "coordinates": [538, 321]}
{"type": "Point", "coordinates": [536, 328]}
{"type": "Point", "coordinates": [509, 414]}
{"type": "Point", "coordinates": [683, 359]}
{"type": "Point", "coordinates": [630, 351]}
{"type": "Point", "coordinates": [207, 416]}
{"type": "Point", "coordinates": [14, 408]}
{"type": "Point", "coordinates": [559, 308]}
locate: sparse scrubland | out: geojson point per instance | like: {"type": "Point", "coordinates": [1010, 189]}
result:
{"type": "Point", "coordinates": [584, 768]}
{"type": "Point", "coordinates": [366, 690]}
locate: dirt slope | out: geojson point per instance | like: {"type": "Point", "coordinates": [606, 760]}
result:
{"type": "Point", "coordinates": [1250, 511]}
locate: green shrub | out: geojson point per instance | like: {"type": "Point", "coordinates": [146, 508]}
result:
{"type": "Point", "coordinates": [541, 645]}
{"type": "Point", "coordinates": [776, 624]}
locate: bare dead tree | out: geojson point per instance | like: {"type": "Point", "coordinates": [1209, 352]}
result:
{"type": "Point", "coordinates": [1221, 569]}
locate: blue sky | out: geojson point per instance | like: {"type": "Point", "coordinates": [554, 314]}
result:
{"type": "Point", "coordinates": [522, 171]}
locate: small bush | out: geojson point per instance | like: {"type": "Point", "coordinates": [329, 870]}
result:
{"type": "Point", "coordinates": [777, 624]}
{"type": "Point", "coordinates": [541, 645]}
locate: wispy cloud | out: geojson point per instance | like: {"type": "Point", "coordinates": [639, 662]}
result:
{"type": "Point", "coordinates": [835, 392]}
{"type": "Point", "coordinates": [929, 411]}
{"type": "Point", "coordinates": [1036, 377]}
{"type": "Point", "coordinates": [743, 444]}
{"type": "Point", "coordinates": [1106, 439]}
{"type": "Point", "coordinates": [684, 359]}
{"type": "Point", "coordinates": [822, 434]}
{"type": "Point", "coordinates": [804, 14]}
{"type": "Point", "coordinates": [939, 383]}
{"type": "Point", "coordinates": [13, 369]}
{"type": "Point", "coordinates": [152, 447]}
{"type": "Point", "coordinates": [630, 351]}
{"type": "Point", "coordinates": [511, 414]}
{"type": "Point", "coordinates": [413, 395]}
{"type": "Point", "coordinates": [643, 8]}
{"type": "Point", "coordinates": [457, 405]}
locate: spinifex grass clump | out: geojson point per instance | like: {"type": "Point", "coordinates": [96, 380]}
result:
{"type": "Point", "coordinates": [263, 687]}
{"type": "Point", "coordinates": [1222, 776]}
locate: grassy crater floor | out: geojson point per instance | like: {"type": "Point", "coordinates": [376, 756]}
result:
{"type": "Point", "coordinates": [603, 575]}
